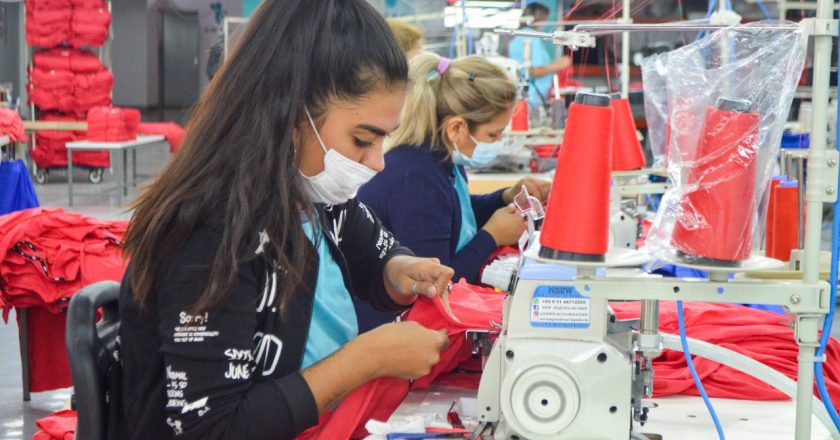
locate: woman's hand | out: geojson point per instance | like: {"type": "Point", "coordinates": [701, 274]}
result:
{"type": "Point", "coordinates": [406, 277]}
{"type": "Point", "coordinates": [506, 226]}
{"type": "Point", "coordinates": [536, 187]}
{"type": "Point", "coordinates": [406, 350]}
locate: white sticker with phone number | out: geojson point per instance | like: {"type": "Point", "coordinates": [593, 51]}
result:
{"type": "Point", "coordinates": [560, 307]}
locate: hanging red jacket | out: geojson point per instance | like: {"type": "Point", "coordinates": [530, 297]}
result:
{"type": "Point", "coordinates": [89, 26]}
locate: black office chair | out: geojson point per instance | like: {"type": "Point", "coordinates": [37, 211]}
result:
{"type": "Point", "coordinates": [91, 350]}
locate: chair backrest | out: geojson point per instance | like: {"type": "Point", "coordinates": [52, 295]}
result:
{"type": "Point", "coordinates": [91, 348]}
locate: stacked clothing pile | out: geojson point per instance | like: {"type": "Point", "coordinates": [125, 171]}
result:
{"type": "Point", "coordinates": [66, 78]}
{"type": "Point", "coordinates": [80, 23]}
{"type": "Point", "coordinates": [46, 256]}
{"type": "Point", "coordinates": [69, 81]}
{"type": "Point", "coordinates": [112, 124]}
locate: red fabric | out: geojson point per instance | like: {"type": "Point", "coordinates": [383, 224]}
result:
{"type": "Point", "coordinates": [47, 23]}
{"type": "Point", "coordinates": [474, 306]}
{"type": "Point", "coordinates": [51, 89]}
{"type": "Point", "coordinates": [92, 90]}
{"type": "Point", "coordinates": [76, 249]}
{"type": "Point", "coordinates": [173, 132]}
{"type": "Point", "coordinates": [88, 3]}
{"type": "Point", "coordinates": [77, 61]}
{"type": "Point", "coordinates": [112, 124]}
{"type": "Point", "coordinates": [11, 125]}
{"type": "Point", "coordinates": [48, 365]}
{"type": "Point", "coordinates": [760, 335]}
{"type": "Point", "coordinates": [50, 150]}
{"type": "Point", "coordinates": [90, 26]}
{"type": "Point", "coordinates": [59, 425]}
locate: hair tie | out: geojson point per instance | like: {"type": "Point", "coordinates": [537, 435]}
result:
{"type": "Point", "coordinates": [472, 77]}
{"type": "Point", "coordinates": [443, 65]}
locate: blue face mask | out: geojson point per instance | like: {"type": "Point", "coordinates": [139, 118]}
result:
{"type": "Point", "coordinates": [483, 155]}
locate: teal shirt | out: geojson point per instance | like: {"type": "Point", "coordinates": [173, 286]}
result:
{"type": "Point", "coordinates": [333, 321]}
{"type": "Point", "coordinates": [539, 58]}
{"type": "Point", "coordinates": [468, 224]}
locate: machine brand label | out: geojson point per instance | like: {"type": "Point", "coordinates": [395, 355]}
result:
{"type": "Point", "coordinates": [560, 307]}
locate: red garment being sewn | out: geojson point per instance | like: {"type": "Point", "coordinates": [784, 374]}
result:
{"type": "Point", "coordinates": [761, 335]}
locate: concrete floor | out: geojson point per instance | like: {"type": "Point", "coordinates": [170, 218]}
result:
{"type": "Point", "coordinates": [104, 201]}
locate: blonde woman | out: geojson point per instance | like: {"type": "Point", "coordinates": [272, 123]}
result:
{"type": "Point", "coordinates": [454, 116]}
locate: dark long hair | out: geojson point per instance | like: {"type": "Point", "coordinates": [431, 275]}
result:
{"type": "Point", "coordinates": [238, 161]}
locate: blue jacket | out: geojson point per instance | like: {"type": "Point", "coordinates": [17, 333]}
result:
{"type": "Point", "coordinates": [415, 198]}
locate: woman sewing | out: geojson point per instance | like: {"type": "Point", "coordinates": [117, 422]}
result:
{"type": "Point", "coordinates": [236, 309]}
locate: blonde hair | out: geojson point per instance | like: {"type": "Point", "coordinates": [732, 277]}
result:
{"type": "Point", "coordinates": [407, 34]}
{"type": "Point", "coordinates": [472, 88]}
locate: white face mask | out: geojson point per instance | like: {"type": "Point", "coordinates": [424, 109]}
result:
{"type": "Point", "coordinates": [341, 178]}
{"type": "Point", "coordinates": [483, 155]}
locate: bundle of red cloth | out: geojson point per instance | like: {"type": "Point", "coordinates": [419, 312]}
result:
{"type": "Point", "coordinates": [173, 132]}
{"type": "Point", "coordinates": [69, 81]}
{"type": "Point", "coordinates": [764, 336]}
{"type": "Point", "coordinates": [47, 22]}
{"type": "Point", "coordinates": [46, 256]}
{"type": "Point", "coordinates": [50, 150]}
{"type": "Point", "coordinates": [60, 425]}
{"type": "Point", "coordinates": [11, 125]}
{"type": "Point", "coordinates": [50, 23]}
{"type": "Point", "coordinates": [73, 60]}
{"type": "Point", "coordinates": [112, 124]}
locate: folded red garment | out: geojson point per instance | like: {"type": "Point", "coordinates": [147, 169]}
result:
{"type": "Point", "coordinates": [173, 132]}
{"type": "Point", "coordinates": [46, 4]}
{"type": "Point", "coordinates": [84, 62]}
{"type": "Point", "coordinates": [47, 100]}
{"type": "Point", "coordinates": [75, 250]}
{"type": "Point", "coordinates": [112, 124]}
{"type": "Point", "coordinates": [57, 36]}
{"type": "Point", "coordinates": [56, 81]}
{"type": "Point", "coordinates": [59, 425]}
{"type": "Point", "coordinates": [48, 15]}
{"type": "Point", "coordinates": [53, 59]}
{"type": "Point", "coordinates": [99, 82]}
{"type": "Point", "coordinates": [11, 125]}
{"type": "Point", "coordinates": [88, 3]}
{"type": "Point", "coordinates": [90, 26]}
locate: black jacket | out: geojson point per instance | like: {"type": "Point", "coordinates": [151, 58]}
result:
{"type": "Point", "coordinates": [233, 373]}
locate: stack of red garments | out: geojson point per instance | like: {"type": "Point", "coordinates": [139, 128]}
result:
{"type": "Point", "coordinates": [11, 125]}
{"type": "Point", "coordinates": [90, 24]}
{"type": "Point", "coordinates": [69, 81]}
{"type": "Point", "coordinates": [46, 256]}
{"type": "Point", "coordinates": [50, 147]}
{"type": "Point", "coordinates": [48, 22]}
{"type": "Point", "coordinates": [112, 124]}
{"type": "Point", "coordinates": [92, 90]}
{"type": "Point", "coordinates": [52, 89]}
{"type": "Point", "coordinates": [81, 23]}
{"type": "Point", "coordinates": [76, 61]}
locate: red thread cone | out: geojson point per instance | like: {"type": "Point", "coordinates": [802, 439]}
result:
{"type": "Point", "coordinates": [627, 151]}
